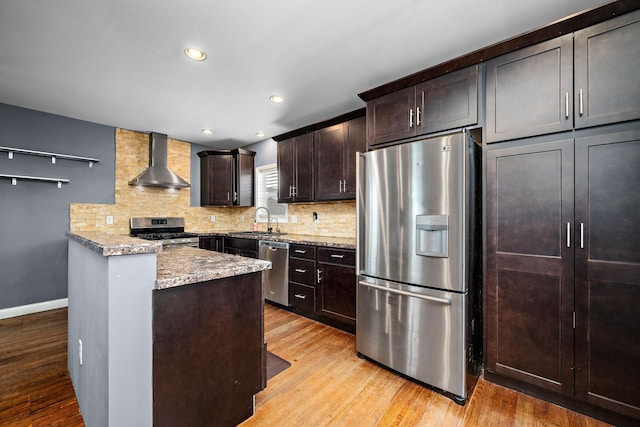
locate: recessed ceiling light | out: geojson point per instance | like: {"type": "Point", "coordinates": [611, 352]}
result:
{"type": "Point", "coordinates": [195, 54]}
{"type": "Point", "coordinates": [276, 98]}
{"type": "Point", "coordinates": [206, 131]}
{"type": "Point", "coordinates": [260, 135]}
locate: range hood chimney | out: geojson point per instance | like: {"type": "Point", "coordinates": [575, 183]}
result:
{"type": "Point", "coordinates": [158, 174]}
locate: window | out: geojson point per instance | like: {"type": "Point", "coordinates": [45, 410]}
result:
{"type": "Point", "coordinates": [267, 194]}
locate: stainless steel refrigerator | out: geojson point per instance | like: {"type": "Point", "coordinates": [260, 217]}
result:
{"type": "Point", "coordinates": [420, 260]}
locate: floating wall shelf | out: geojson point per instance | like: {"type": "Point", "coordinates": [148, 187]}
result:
{"type": "Point", "coordinates": [53, 156]}
{"type": "Point", "coordinates": [14, 179]}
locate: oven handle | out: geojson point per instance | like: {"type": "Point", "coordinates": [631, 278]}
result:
{"type": "Point", "coordinates": [408, 294]}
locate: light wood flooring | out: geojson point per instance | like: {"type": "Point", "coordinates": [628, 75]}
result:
{"type": "Point", "coordinates": [327, 384]}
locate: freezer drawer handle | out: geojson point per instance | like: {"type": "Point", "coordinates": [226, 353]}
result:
{"type": "Point", "coordinates": [409, 294]}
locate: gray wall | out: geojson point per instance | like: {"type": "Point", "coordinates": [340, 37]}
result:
{"type": "Point", "coordinates": [266, 153]}
{"type": "Point", "coordinates": [34, 215]}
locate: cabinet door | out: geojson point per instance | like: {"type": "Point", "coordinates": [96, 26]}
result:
{"type": "Point", "coordinates": [449, 101]}
{"type": "Point", "coordinates": [243, 191]}
{"type": "Point", "coordinates": [286, 159]}
{"type": "Point", "coordinates": [216, 172]}
{"type": "Point", "coordinates": [206, 242]}
{"type": "Point", "coordinates": [337, 292]}
{"type": "Point", "coordinates": [607, 60]}
{"type": "Point", "coordinates": [389, 118]}
{"type": "Point", "coordinates": [355, 140]}
{"type": "Point", "coordinates": [303, 183]}
{"type": "Point", "coordinates": [529, 289]}
{"type": "Point", "coordinates": [608, 271]}
{"type": "Point", "coordinates": [328, 147]}
{"type": "Point", "coordinates": [529, 90]}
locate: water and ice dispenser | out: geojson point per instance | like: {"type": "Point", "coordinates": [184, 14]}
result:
{"type": "Point", "coordinates": [432, 235]}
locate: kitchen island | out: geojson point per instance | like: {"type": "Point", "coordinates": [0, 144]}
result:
{"type": "Point", "coordinates": [171, 337]}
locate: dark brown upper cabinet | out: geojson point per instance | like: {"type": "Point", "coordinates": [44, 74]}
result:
{"type": "Point", "coordinates": [295, 169]}
{"type": "Point", "coordinates": [335, 159]}
{"type": "Point", "coordinates": [227, 177]}
{"type": "Point", "coordinates": [566, 82]}
{"type": "Point", "coordinates": [529, 91]}
{"type": "Point", "coordinates": [607, 64]}
{"type": "Point", "coordinates": [446, 102]}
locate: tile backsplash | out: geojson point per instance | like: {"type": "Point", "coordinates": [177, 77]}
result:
{"type": "Point", "coordinates": [132, 157]}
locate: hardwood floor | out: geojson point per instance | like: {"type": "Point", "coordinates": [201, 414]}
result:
{"type": "Point", "coordinates": [327, 384]}
{"type": "Point", "coordinates": [35, 387]}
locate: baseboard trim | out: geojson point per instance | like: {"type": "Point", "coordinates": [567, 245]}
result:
{"type": "Point", "coordinates": [22, 310]}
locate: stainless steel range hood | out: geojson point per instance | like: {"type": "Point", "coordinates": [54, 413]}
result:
{"type": "Point", "coordinates": [158, 174]}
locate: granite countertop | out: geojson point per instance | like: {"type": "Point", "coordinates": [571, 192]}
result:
{"type": "Point", "coordinates": [183, 265]}
{"type": "Point", "coordinates": [114, 244]}
{"type": "Point", "coordinates": [176, 266]}
{"type": "Point", "coordinates": [300, 239]}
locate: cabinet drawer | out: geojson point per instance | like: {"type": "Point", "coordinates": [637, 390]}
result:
{"type": "Point", "coordinates": [302, 296]}
{"type": "Point", "coordinates": [337, 256]}
{"type": "Point", "coordinates": [302, 271]}
{"type": "Point", "coordinates": [302, 251]}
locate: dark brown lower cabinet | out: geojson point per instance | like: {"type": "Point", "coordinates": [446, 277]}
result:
{"type": "Point", "coordinates": [608, 271]}
{"type": "Point", "coordinates": [322, 284]}
{"type": "Point", "coordinates": [337, 284]}
{"type": "Point", "coordinates": [212, 243]}
{"type": "Point", "coordinates": [208, 351]}
{"type": "Point", "coordinates": [562, 299]}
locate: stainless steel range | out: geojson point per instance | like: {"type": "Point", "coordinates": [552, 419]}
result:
{"type": "Point", "coordinates": [169, 230]}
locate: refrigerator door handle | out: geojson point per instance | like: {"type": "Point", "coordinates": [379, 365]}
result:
{"type": "Point", "coordinates": [409, 294]}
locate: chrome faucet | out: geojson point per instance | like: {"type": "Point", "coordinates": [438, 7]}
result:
{"type": "Point", "coordinates": [255, 217]}
{"type": "Point", "coordinates": [277, 225]}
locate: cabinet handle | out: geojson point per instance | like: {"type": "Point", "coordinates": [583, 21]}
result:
{"type": "Point", "coordinates": [319, 275]}
{"type": "Point", "coordinates": [337, 256]}
{"type": "Point", "coordinates": [568, 235]}
{"type": "Point", "coordinates": [300, 251]}
{"type": "Point", "coordinates": [300, 296]}
{"type": "Point", "coordinates": [290, 190]}
{"type": "Point", "coordinates": [340, 187]}
{"type": "Point", "coordinates": [411, 118]}
{"type": "Point", "coordinates": [580, 97]}
{"type": "Point", "coordinates": [299, 270]}
{"type": "Point", "coordinates": [235, 196]}
{"type": "Point", "coordinates": [566, 105]}
{"type": "Point", "coordinates": [581, 236]}
{"type": "Point", "coordinates": [295, 191]}
{"type": "Point", "coordinates": [228, 196]}
{"type": "Point", "coordinates": [344, 186]}
{"type": "Point", "coordinates": [417, 116]}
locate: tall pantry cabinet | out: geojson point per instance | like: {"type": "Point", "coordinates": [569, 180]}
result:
{"type": "Point", "coordinates": [562, 296]}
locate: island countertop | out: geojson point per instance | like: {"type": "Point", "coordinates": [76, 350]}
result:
{"type": "Point", "coordinates": [175, 266]}
{"type": "Point", "coordinates": [183, 265]}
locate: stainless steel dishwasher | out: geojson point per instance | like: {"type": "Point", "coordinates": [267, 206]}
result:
{"type": "Point", "coordinates": [276, 280]}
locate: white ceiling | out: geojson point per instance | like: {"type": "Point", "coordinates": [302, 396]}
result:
{"type": "Point", "coordinates": [121, 62]}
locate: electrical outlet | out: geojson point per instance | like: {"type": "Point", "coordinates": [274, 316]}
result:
{"type": "Point", "coordinates": [213, 218]}
{"type": "Point", "coordinates": [80, 351]}
{"type": "Point", "coordinates": [294, 219]}
{"type": "Point", "coordinates": [109, 219]}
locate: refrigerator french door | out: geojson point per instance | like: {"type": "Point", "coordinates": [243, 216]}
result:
{"type": "Point", "coordinates": [419, 260]}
